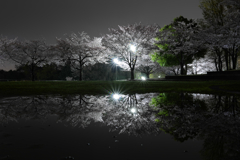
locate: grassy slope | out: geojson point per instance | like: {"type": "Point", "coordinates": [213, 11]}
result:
{"type": "Point", "coordinates": [106, 87]}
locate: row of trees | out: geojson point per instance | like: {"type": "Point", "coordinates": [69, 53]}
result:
{"type": "Point", "coordinates": [81, 51]}
{"type": "Point", "coordinates": [213, 41]}
{"type": "Point", "coordinates": [215, 38]}
{"type": "Point", "coordinates": [53, 71]}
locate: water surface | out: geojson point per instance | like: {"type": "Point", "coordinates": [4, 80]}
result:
{"type": "Point", "coordinates": [153, 125]}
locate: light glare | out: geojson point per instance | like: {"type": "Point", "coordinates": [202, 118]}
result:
{"type": "Point", "coordinates": [115, 60]}
{"type": "Point", "coordinates": [133, 48]}
{"type": "Point", "coordinates": [116, 96]}
{"type": "Point", "coordinates": [143, 78]}
{"type": "Point", "coordinates": [133, 110]}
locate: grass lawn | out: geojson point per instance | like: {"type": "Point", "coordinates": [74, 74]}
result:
{"type": "Point", "coordinates": [20, 88]}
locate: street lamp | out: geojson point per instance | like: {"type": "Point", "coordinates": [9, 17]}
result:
{"type": "Point", "coordinates": [132, 48]}
{"type": "Point", "coordinates": [143, 78]}
{"type": "Point", "coordinates": [115, 60]}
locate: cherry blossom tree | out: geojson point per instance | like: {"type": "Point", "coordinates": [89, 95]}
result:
{"type": "Point", "coordinates": [212, 40]}
{"type": "Point", "coordinates": [168, 70]}
{"type": "Point", "coordinates": [221, 34]}
{"type": "Point", "coordinates": [31, 53]}
{"type": "Point", "coordinates": [147, 66]}
{"type": "Point", "coordinates": [128, 43]}
{"type": "Point", "coordinates": [223, 45]}
{"type": "Point", "coordinates": [2, 44]}
{"type": "Point", "coordinates": [213, 12]}
{"type": "Point", "coordinates": [5, 48]}
{"type": "Point", "coordinates": [231, 47]}
{"type": "Point", "coordinates": [231, 31]}
{"type": "Point", "coordinates": [80, 50]}
{"type": "Point", "coordinates": [178, 36]}
{"type": "Point", "coordinates": [202, 65]}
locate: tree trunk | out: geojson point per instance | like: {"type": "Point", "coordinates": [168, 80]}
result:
{"type": "Point", "coordinates": [226, 58]}
{"type": "Point", "coordinates": [80, 70]}
{"type": "Point", "coordinates": [80, 74]}
{"type": "Point", "coordinates": [229, 62]}
{"type": "Point", "coordinates": [216, 64]}
{"type": "Point", "coordinates": [32, 72]}
{"type": "Point", "coordinates": [234, 60]}
{"type": "Point", "coordinates": [132, 73]}
{"type": "Point", "coordinates": [186, 68]}
{"type": "Point", "coordinates": [175, 73]}
{"type": "Point", "coordinates": [219, 63]}
{"type": "Point", "coordinates": [182, 69]}
{"type": "Point", "coordinates": [148, 75]}
{"type": "Point", "coordinates": [181, 64]}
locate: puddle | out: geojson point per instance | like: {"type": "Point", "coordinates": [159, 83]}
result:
{"type": "Point", "coordinates": [146, 126]}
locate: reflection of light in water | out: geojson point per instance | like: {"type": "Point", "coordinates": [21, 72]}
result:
{"type": "Point", "coordinates": [116, 96]}
{"type": "Point", "coordinates": [133, 110]}
{"type": "Point", "coordinates": [143, 78]}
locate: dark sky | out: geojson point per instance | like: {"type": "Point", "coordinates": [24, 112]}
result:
{"type": "Point", "coordinates": [48, 19]}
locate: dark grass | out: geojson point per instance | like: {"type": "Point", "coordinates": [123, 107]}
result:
{"type": "Point", "coordinates": [20, 88]}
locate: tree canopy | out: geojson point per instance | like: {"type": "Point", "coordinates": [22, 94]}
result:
{"type": "Point", "coordinates": [176, 43]}
{"type": "Point", "coordinates": [128, 43]}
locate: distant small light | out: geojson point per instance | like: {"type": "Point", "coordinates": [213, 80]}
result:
{"type": "Point", "coordinates": [133, 110]}
{"type": "Point", "coordinates": [116, 96]}
{"type": "Point", "coordinates": [159, 76]}
{"type": "Point", "coordinates": [143, 78]}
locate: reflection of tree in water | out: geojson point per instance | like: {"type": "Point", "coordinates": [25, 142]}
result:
{"type": "Point", "coordinates": [33, 107]}
{"type": "Point", "coordinates": [133, 115]}
{"type": "Point", "coordinates": [177, 113]}
{"type": "Point", "coordinates": [221, 139]}
{"type": "Point", "coordinates": [222, 129]}
{"type": "Point", "coordinates": [77, 110]}
{"type": "Point", "coordinates": [214, 118]}
{"type": "Point", "coordinates": [82, 109]}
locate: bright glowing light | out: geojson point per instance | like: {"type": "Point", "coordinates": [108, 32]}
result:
{"type": "Point", "coordinates": [159, 76]}
{"type": "Point", "coordinates": [115, 60]}
{"type": "Point", "coordinates": [133, 110]}
{"type": "Point", "coordinates": [132, 48]}
{"type": "Point", "coordinates": [143, 78]}
{"type": "Point", "coordinates": [116, 96]}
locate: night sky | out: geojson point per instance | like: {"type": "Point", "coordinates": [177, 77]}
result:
{"type": "Point", "coordinates": [48, 19]}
